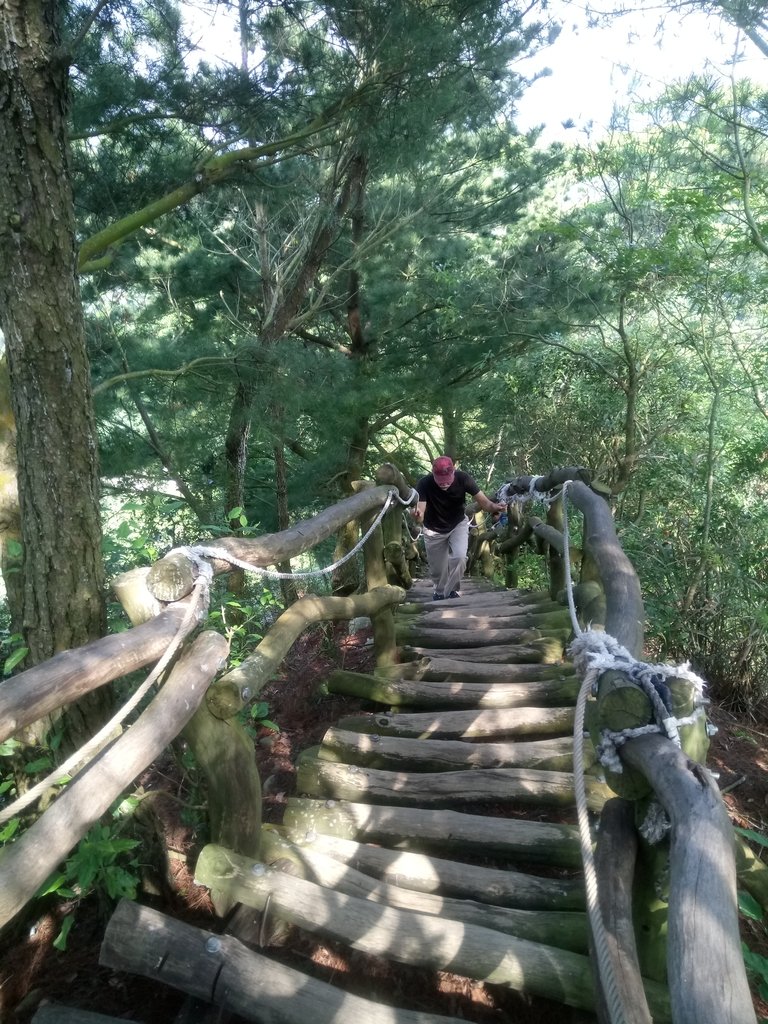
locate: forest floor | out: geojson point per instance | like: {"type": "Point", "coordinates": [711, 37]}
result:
{"type": "Point", "coordinates": [32, 971]}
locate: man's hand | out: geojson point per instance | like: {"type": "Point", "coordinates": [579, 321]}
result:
{"type": "Point", "coordinates": [416, 514]}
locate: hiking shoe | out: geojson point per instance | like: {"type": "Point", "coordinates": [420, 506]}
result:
{"type": "Point", "coordinates": [454, 593]}
{"type": "Point", "coordinates": [438, 597]}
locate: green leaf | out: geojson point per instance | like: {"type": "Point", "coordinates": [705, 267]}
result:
{"type": "Point", "coordinates": [235, 513]}
{"type": "Point", "coordinates": [259, 709]}
{"type": "Point", "coordinates": [40, 765]}
{"type": "Point", "coordinates": [54, 884]}
{"type": "Point", "coordinates": [749, 907]}
{"type": "Point", "coordinates": [60, 942]}
{"type": "Point", "coordinates": [10, 663]}
{"type": "Point", "coordinates": [749, 833]}
{"type": "Point", "coordinates": [10, 830]}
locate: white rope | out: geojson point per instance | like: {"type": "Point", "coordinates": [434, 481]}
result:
{"type": "Point", "coordinates": [82, 757]}
{"type": "Point", "coordinates": [221, 554]}
{"type": "Point", "coordinates": [604, 960]}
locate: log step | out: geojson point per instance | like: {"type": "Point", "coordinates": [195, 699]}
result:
{"type": "Point", "coordinates": [536, 690]}
{"type": "Point", "coordinates": [488, 723]}
{"type": "Point", "coordinates": [454, 832]}
{"type": "Point", "coordinates": [396, 752]}
{"type": "Point", "coordinates": [498, 786]}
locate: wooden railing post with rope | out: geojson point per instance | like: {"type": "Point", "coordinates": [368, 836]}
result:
{"type": "Point", "coordinates": [166, 603]}
{"type": "Point", "coordinates": [701, 959]}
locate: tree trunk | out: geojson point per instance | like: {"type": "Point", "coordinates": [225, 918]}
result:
{"type": "Point", "coordinates": [10, 518]}
{"type": "Point", "coordinates": [41, 318]}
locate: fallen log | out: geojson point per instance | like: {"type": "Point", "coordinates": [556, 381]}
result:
{"type": "Point", "coordinates": [558, 690]}
{"type": "Point", "coordinates": [446, 831]}
{"type": "Point", "coordinates": [421, 940]}
{"type": "Point", "coordinates": [491, 723]}
{"type": "Point", "coordinates": [424, 873]}
{"type": "Point", "coordinates": [403, 753]}
{"type": "Point", "coordinates": [220, 970]}
{"type": "Point", "coordinates": [244, 882]}
{"type": "Point", "coordinates": [320, 778]}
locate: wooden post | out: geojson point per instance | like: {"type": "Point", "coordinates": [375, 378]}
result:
{"type": "Point", "coordinates": [554, 555]}
{"type": "Point", "coordinates": [383, 619]}
{"type": "Point", "coordinates": [705, 967]}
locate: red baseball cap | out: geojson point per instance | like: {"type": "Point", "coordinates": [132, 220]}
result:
{"type": "Point", "coordinates": [443, 470]}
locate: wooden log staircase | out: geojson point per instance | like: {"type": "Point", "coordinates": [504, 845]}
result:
{"type": "Point", "coordinates": [437, 830]}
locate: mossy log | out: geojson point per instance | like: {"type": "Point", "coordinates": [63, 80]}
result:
{"type": "Point", "coordinates": [622, 704]}
{"type": "Point", "coordinates": [225, 753]}
{"type": "Point", "coordinates": [509, 599]}
{"type": "Point", "coordinates": [448, 832]}
{"type": "Point", "coordinates": [511, 544]}
{"type": "Point", "coordinates": [492, 619]}
{"type": "Point", "coordinates": [423, 873]}
{"type": "Point", "coordinates": [26, 863]}
{"type": "Point", "coordinates": [220, 970]}
{"type": "Point", "coordinates": [702, 864]}
{"type": "Point", "coordinates": [625, 615]}
{"type": "Point", "coordinates": [464, 670]}
{"type": "Point", "coordinates": [247, 883]}
{"type": "Point", "coordinates": [560, 690]}
{"type": "Point", "coordinates": [615, 856]}
{"type": "Point", "coordinates": [324, 779]}
{"type": "Point", "coordinates": [256, 670]}
{"type": "Point", "coordinates": [452, 637]}
{"type": "Point", "coordinates": [468, 724]}
{"type": "Point", "coordinates": [398, 569]}
{"type": "Point", "coordinates": [419, 939]}
{"type": "Point", "coordinates": [547, 650]}
{"type": "Point", "coordinates": [396, 753]}
{"type": "Point", "coordinates": [589, 599]}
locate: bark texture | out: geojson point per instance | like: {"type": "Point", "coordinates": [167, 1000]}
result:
{"type": "Point", "coordinates": [41, 318]}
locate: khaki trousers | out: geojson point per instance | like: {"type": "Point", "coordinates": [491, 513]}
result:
{"type": "Point", "coordinates": [447, 557]}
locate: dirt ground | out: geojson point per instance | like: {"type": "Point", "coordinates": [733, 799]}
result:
{"type": "Point", "coordinates": [32, 971]}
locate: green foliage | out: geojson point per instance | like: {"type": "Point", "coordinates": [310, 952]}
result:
{"type": "Point", "coordinates": [244, 621]}
{"type": "Point", "coordinates": [14, 651]}
{"type": "Point", "coordinates": [101, 865]}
